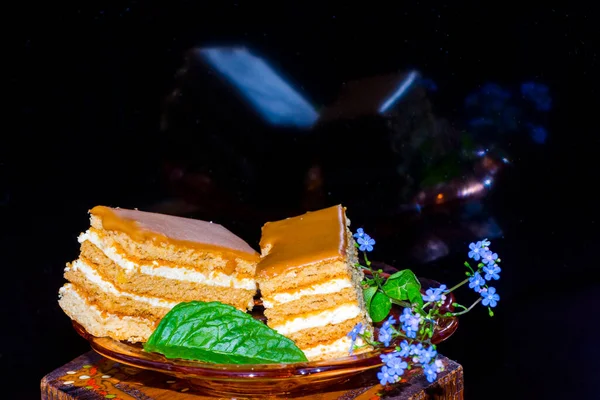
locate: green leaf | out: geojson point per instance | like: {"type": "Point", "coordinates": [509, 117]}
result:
{"type": "Point", "coordinates": [380, 306]}
{"type": "Point", "coordinates": [368, 294]}
{"type": "Point", "coordinates": [218, 333]}
{"type": "Point", "coordinates": [404, 285]}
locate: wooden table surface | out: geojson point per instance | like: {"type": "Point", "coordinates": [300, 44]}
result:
{"type": "Point", "coordinates": [92, 377]}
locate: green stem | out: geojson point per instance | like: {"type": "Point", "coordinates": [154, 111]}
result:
{"type": "Point", "coordinates": [401, 303]}
{"type": "Point", "coordinates": [366, 259]}
{"type": "Point", "coordinates": [457, 285]}
{"type": "Point", "coordinates": [468, 309]}
{"type": "Point", "coordinates": [459, 306]}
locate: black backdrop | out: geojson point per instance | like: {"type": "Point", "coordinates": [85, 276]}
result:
{"type": "Point", "coordinates": [87, 83]}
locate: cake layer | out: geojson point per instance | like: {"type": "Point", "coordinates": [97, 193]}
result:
{"type": "Point", "coordinates": [320, 289]}
{"type": "Point", "coordinates": [309, 305]}
{"type": "Point", "coordinates": [100, 323]}
{"type": "Point", "coordinates": [293, 280]}
{"type": "Point", "coordinates": [311, 238]}
{"type": "Point", "coordinates": [336, 349]}
{"type": "Point", "coordinates": [165, 288]}
{"type": "Point", "coordinates": [167, 269]}
{"type": "Point", "coordinates": [307, 338]}
{"type": "Point", "coordinates": [316, 319]}
{"type": "Point", "coordinates": [107, 297]}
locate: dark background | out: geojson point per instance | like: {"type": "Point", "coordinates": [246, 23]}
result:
{"type": "Point", "coordinates": [87, 85]}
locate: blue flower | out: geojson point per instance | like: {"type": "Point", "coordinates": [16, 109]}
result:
{"type": "Point", "coordinates": [410, 331]}
{"type": "Point", "coordinates": [357, 330]}
{"type": "Point", "coordinates": [410, 322]}
{"type": "Point", "coordinates": [405, 349]}
{"type": "Point", "coordinates": [485, 243]}
{"type": "Point", "coordinates": [406, 315]}
{"type": "Point", "coordinates": [427, 355]}
{"type": "Point", "coordinates": [385, 336]}
{"type": "Point", "coordinates": [366, 243]}
{"type": "Point", "coordinates": [387, 375]}
{"type": "Point", "coordinates": [397, 365]}
{"type": "Point", "coordinates": [386, 330]}
{"type": "Point", "coordinates": [476, 250]}
{"type": "Point", "coordinates": [359, 233]}
{"type": "Point", "coordinates": [430, 371]}
{"type": "Point", "coordinates": [490, 297]}
{"type": "Point", "coordinates": [491, 271]}
{"type": "Point", "coordinates": [488, 257]}
{"type": "Point", "coordinates": [415, 349]}
{"type": "Point", "coordinates": [476, 282]}
{"type": "Point", "coordinates": [441, 290]}
{"type": "Point", "coordinates": [433, 295]}
{"type": "Point", "coordinates": [387, 357]}
{"type": "Point", "coordinates": [389, 322]}
{"type": "Point", "coordinates": [392, 370]}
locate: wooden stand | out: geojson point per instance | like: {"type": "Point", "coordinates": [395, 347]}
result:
{"type": "Point", "coordinates": [92, 377]}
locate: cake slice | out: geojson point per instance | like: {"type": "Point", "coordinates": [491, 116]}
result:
{"type": "Point", "coordinates": [135, 266]}
{"type": "Point", "coordinates": [309, 284]}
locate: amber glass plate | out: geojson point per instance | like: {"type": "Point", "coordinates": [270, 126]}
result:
{"type": "Point", "coordinates": [257, 379]}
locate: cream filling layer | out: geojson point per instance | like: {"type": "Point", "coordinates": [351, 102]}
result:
{"type": "Point", "coordinates": [329, 317]}
{"type": "Point", "coordinates": [331, 286]}
{"type": "Point", "coordinates": [339, 348]}
{"type": "Point", "coordinates": [68, 289]}
{"type": "Point", "coordinates": [176, 273]}
{"type": "Point", "coordinates": [93, 276]}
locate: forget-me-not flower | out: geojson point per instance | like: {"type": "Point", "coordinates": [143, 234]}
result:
{"type": "Point", "coordinates": [358, 329]}
{"type": "Point", "coordinates": [435, 294]}
{"type": "Point", "coordinates": [410, 322]}
{"type": "Point", "coordinates": [427, 354]}
{"type": "Point", "coordinates": [359, 233]}
{"type": "Point", "coordinates": [491, 272]}
{"type": "Point", "coordinates": [405, 349]}
{"type": "Point", "coordinates": [489, 257]}
{"type": "Point", "coordinates": [385, 336]}
{"type": "Point", "coordinates": [476, 282]}
{"type": "Point", "coordinates": [397, 365]}
{"type": "Point", "coordinates": [490, 297]}
{"type": "Point", "coordinates": [430, 371]}
{"type": "Point", "coordinates": [387, 375]}
{"type": "Point", "coordinates": [475, 251]}
{"type": "Point", "coordinates": [365, 242]}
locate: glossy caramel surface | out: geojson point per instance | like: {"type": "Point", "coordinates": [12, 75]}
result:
{"type": "Point", "coordinates": [306, 239]}
{"type": "Point", "coordinates": [185, 232]}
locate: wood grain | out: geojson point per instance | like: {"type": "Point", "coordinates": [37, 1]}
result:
{"type": "Point", "coordinates": [92, 377]}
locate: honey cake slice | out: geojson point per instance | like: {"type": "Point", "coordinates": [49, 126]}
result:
{"type": "Point", "coordinates": [309, 282]}
{"type": "Point", "coordinates": [135, 266]}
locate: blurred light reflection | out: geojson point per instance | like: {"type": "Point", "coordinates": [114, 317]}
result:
{"type": "Point", "coordinates": [272, 97]}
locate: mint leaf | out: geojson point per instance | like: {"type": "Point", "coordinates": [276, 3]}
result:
{"type": "Point", "coordinates": [368, 295]}
{"type": "Point", "coordinates": [380, 306]}
{"type": "Point", "coordinates": [218, 333]}
{"type": "Point", "coordinates": [404, 285]}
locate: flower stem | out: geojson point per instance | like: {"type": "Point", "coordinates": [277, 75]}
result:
{"type": "Point", "coordinates": [401, 303]}
{"type": "Point", "coordinates": [457, 285]}
{"type": "Point", "coordinates": [366, 259]}
{"type": "Point", "coordinates": [468, 309]}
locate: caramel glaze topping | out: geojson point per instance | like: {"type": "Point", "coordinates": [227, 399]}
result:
{"type": "Point", "coordinates": [184, 232]}
{"type": "Point", "coordinates": [299, 241]}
